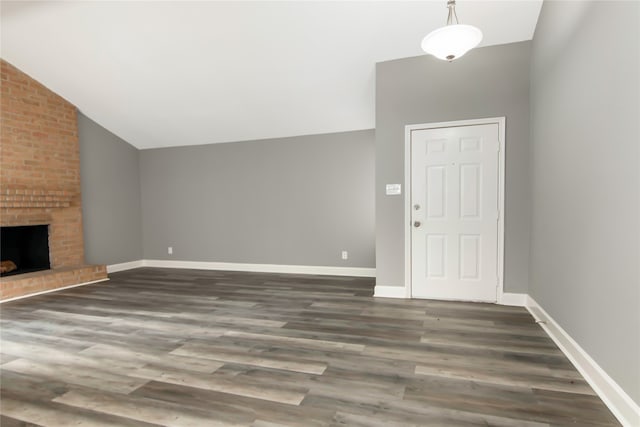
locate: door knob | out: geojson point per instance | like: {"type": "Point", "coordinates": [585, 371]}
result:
{"type": "Point", "coordinates": [416, 224]}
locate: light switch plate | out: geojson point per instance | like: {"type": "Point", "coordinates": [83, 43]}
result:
{"type": "Point", "coordinates": [394, 189]}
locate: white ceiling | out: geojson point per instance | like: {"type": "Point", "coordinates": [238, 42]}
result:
{"type": "Point", "coordinates": [174, 73]}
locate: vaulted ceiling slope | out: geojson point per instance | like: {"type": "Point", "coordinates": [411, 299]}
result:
{"type": "Point", "coordinates": [168, 73]}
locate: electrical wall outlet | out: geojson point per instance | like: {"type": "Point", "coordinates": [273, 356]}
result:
{"type": "Point", "coordinates": [345, 255]}
{"type": "Point", "coordinates": [170, 250]}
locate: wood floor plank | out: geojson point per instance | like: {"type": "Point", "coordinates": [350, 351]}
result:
{"type": "Point", "coordinates": [141, 358]}
{"type": "Point", "coordinates": [256, 390]}
{"type": "Point", "coordinates": [32, 388]}
{"type": "Point", "coordinates": [297, 341]}
{"type": "Point", "coordinates": [54, 355]}
{"type": "Point", "coordinates": [409, 413]}
{"type": "Point", "coordinates": [12, 422]}
{"type": "Point", "coordinates": [139, 409]}
{"type": "Point", "coordinates": [493, 376]}
{"type": "Point", "coordinates": [203, 348]}
{"type": "Point", "coordinates": [57, 415]}
{"type": "Point", "coordinates": [242, 408]}
{"type": "Point", "coordinates": [74, 374]}
{"type": "Point", "coordinates": [287, 364]}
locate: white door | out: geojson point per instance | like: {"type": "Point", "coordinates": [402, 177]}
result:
{"type": "Point", "coordinates": [454, 212]}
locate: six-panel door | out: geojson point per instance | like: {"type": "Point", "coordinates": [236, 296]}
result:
{"type": "Point", "coordinates": [454, 199]}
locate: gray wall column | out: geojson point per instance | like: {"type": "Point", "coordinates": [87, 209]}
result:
{"type": "Point", "coordinates": [585, 248]}
{"type": "Point", "coordinates": [487, 82]}
{"type": "Point", "coordinates": [110, 180]}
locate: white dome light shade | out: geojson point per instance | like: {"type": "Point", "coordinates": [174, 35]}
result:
{"type": "Point", "coordinates": [451, 42]}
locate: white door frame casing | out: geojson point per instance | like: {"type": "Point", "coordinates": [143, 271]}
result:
{"type": "Point", "coordinates": [500, 121]}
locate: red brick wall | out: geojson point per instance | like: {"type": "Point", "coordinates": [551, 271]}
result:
{"type": "Point", "coordinates": [40, 164]}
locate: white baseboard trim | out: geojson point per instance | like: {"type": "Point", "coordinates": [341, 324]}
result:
{"type": "Point", "coordinates": [619, 402]}
{"type": "Point", "coordinates": [53, 290]}
{"type": "Point", "coordinates": [263, 268]}
{"type": "Point", "coordinates": [513, 299]}
{"type": "Point", "coordinates": [123, 266]}
{"type": "Point", "coordinates": [390, 292]}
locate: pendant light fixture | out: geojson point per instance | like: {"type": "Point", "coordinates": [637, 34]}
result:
{"type": "Point", "coordinates": [453, 40]}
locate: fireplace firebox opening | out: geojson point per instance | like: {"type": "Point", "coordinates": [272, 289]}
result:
{"type": "Point", "coordinates": [24, 249]}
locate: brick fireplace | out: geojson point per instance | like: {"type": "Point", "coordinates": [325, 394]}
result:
{"type": "Point", "coordinates": [40, 181]}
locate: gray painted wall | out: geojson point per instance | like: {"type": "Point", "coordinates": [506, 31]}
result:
{"type": "Point", "coordinates": [487, 82]}
{"type": "Point", "coordinates": [110, 180]}
{"type": "Point", "coordinates": [585, 252]}
{"type": "Point", "coordinates": [296, 201]}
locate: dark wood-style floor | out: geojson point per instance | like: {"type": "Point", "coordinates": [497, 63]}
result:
{"type": "Point", "coordinates": [207, 348]}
